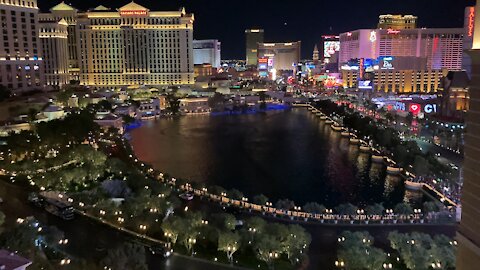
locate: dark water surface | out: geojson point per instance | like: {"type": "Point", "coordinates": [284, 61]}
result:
{"type": "Point", "coordinates": [282, 154]}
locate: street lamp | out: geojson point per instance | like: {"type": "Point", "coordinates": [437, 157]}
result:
{"type": "Point", "coordinates": [339, 263]}
{"type": "Point", "coordinates": [143, 227]}
{"type": "Point", "coordinates": [387, 266]}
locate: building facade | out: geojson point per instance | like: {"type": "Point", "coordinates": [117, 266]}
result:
{"type": "Point", "coordinates": [398, 81]}
{"type": "Point", "coordinates": [21, 60]}
{"type": "Point", "coordinates": [279, 56]}
{"type": "Point", "coordinates": [69, 14]}
{"type": "Point", "coordinates": [135, 46]}
{"type": "Point", "coordinates": [253, 37]}
{"type": "Point", "coordinates": [468, 255]}
{"type": "Point", "coordinates": [397, 22]}
{"type": "Point", "coordinates": [54, 39]}
{"type": "Point", "coordinates": [443, 48]}
{"type": "Point", "coordinates": [207, 52]}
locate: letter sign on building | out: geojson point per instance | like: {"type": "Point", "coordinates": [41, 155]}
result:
{"type": "Point", "coordinates": [430, 108]}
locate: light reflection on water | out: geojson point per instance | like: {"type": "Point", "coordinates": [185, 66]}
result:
{"type": "Point", "coordinates": [283, 154]}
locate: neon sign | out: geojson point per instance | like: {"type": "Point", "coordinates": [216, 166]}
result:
{"type": "Point", "coordinates": [414, 108]}
{"type": "Point", "coordinates": [373, 36]}
{"type": "Point", "coordinates": [133, 13]}
{"type": "Point", "coordinates": [471, 21]}
{"type": "Point", "coordinates": [393, 32]}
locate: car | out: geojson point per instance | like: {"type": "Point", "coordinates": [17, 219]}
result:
{"type": "Point", "coordinates": [162, 250]}
{"type": "Point", "coordinates": [187, 196]}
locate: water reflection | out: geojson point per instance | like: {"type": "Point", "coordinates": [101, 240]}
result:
{"type": "Point", "coordinates": [286, 154]}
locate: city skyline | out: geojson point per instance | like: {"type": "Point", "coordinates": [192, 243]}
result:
{"type": "Point", "coordinates": [214, 20]}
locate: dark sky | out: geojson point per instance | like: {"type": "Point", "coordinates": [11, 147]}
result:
{"type": "Point", "coordinates": [305, 20]}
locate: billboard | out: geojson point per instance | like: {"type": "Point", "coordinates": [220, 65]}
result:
{"type": "Point", "coordinates": [365, 85]}
{"type": "Point", "coordinates": [330, 47]}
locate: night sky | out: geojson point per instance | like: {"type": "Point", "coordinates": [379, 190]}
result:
{"type": "Point", "coordinates": [290, 20]}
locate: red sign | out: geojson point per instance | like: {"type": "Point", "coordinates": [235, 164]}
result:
{"type": "Point", "coordinates": [471, 21]}
{"type": "Point", "coordinates": [133, 13]}
{"type": "Point", "coordinates": [361, 68]}
{"type": "Point", "coordinates": [263, 60]}
{"type": "Point", "coordinates": [414, 108]}
{"type": "Point", "coordinates": [393, 32]}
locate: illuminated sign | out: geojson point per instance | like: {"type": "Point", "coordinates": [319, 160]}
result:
{"type": "Point", "coordinates": [270, 62]}
{"type": "Point", "coordinates": [134, 13]}
{"type": "Point", "coordinates": [373, 36]}
{"type": "Point", "coordinates": [471, 21]}
{"type": "Point", "coordinates": [386, 62]}
{"type": "Point", "coordinates": [414, 108]}
{"type": "Point", "coordinates": [430, 108]}
{"type": "Point", "coordinates": [349, 34]}
{"type": "Point", "coordinates": [399, 106]}
{"type": "Point", "coordinates": [393, 32]}
{"type": "Point", "coordinates": [367, 85]}
{"type": "Point", "coordinates": [330, 47]}
{"type": "Point", "coordinates": [361, 68]}
{"type": "Point", "coordinates": [263, 60]}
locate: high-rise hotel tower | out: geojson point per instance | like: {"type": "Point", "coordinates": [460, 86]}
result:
{"type": "Point", "coordinates": [135, 46]}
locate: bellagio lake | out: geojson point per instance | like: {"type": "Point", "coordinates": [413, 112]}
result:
{"type": "Point", "coordinates": [282, 154]}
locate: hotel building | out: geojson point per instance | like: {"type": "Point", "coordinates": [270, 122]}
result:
{"type": "Point", "coordinates": [53, 36]}
{"type": "Point", "coordinates": [417, 58]}
{"type": "Point", "coordinates": [280, 56]}
{"type": "Point", "coordinates": [69, 14]}
{"type": "Point", "coordinates": [443, 48]}
{"type": "Point", "coordinates": [397, 22]}
{"type": "Point", "coordinates": [468, 257]}
{"type": "Point", "coordinates": [21, 62]}
{"type": "Point", "coordinates": [207, 52]}
{"type": "Point", "coordinates": [398, 81]}
{"type": "Point", "coordinates": [135, 46]}
{"type": "Point", "coordinates": [252, 38]}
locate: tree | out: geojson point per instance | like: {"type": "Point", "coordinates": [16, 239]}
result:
{"type": "Point", "coordinates": [172, 227]}
{"type": "Point", "coordinates": [229, 242]}
{"type": "Point", "coordinates": [217, 101]}
{"type": "Point", "coordinates": [296, 243]}
{"type": "Point", "coordinates": [126, 256]}
{"type": "Point", "coordinates": [346, 209]}
{"type": "Point", "coordinates": [224, 221]}
{"type": "Point", "coordinates": [285, 204]}
{"type": "Point", "coordinates": [314, 208]}
{"type": "Point", "coordinates": [173, 103]}
{"type": "Point", "coordinates": [357, 251]}
{"type": "Point", "coordinates": [32, 115]}
{"type": "Point", "coordinates": [409, 118]}
{"type": "Point", "coordinates": [127, 119]}
{"type": "Point", "coordinates": [105, 105]}
{"type": "Point", "coordinates": [268, 249]}
{"type": "Point", "coordinates": [420, 165]}
{"type": "Point", "coordinates": [375, 209]}
{"type": "Point", "coordinates": [255, 226]}
{"type": "Point", "coordinates": [430, 207]}
{"type": "Point", "coordinates": [260, 199]}
{"type": "Point", "coordinates": [403, 209]}
{"type": "Point", "coordinates": [235, 194]}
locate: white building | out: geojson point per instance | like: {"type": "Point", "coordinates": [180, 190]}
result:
{"type": "Point", "coordinates": [21, 65]}
{"type": "Point", "coordinates": [69, 14]}
{"type": "Point", "coordinates": [207, 52]}
{"type": "Point", "coordinates": [135, 46]}
{"type": "Point", "coordinates": [53, 36]}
